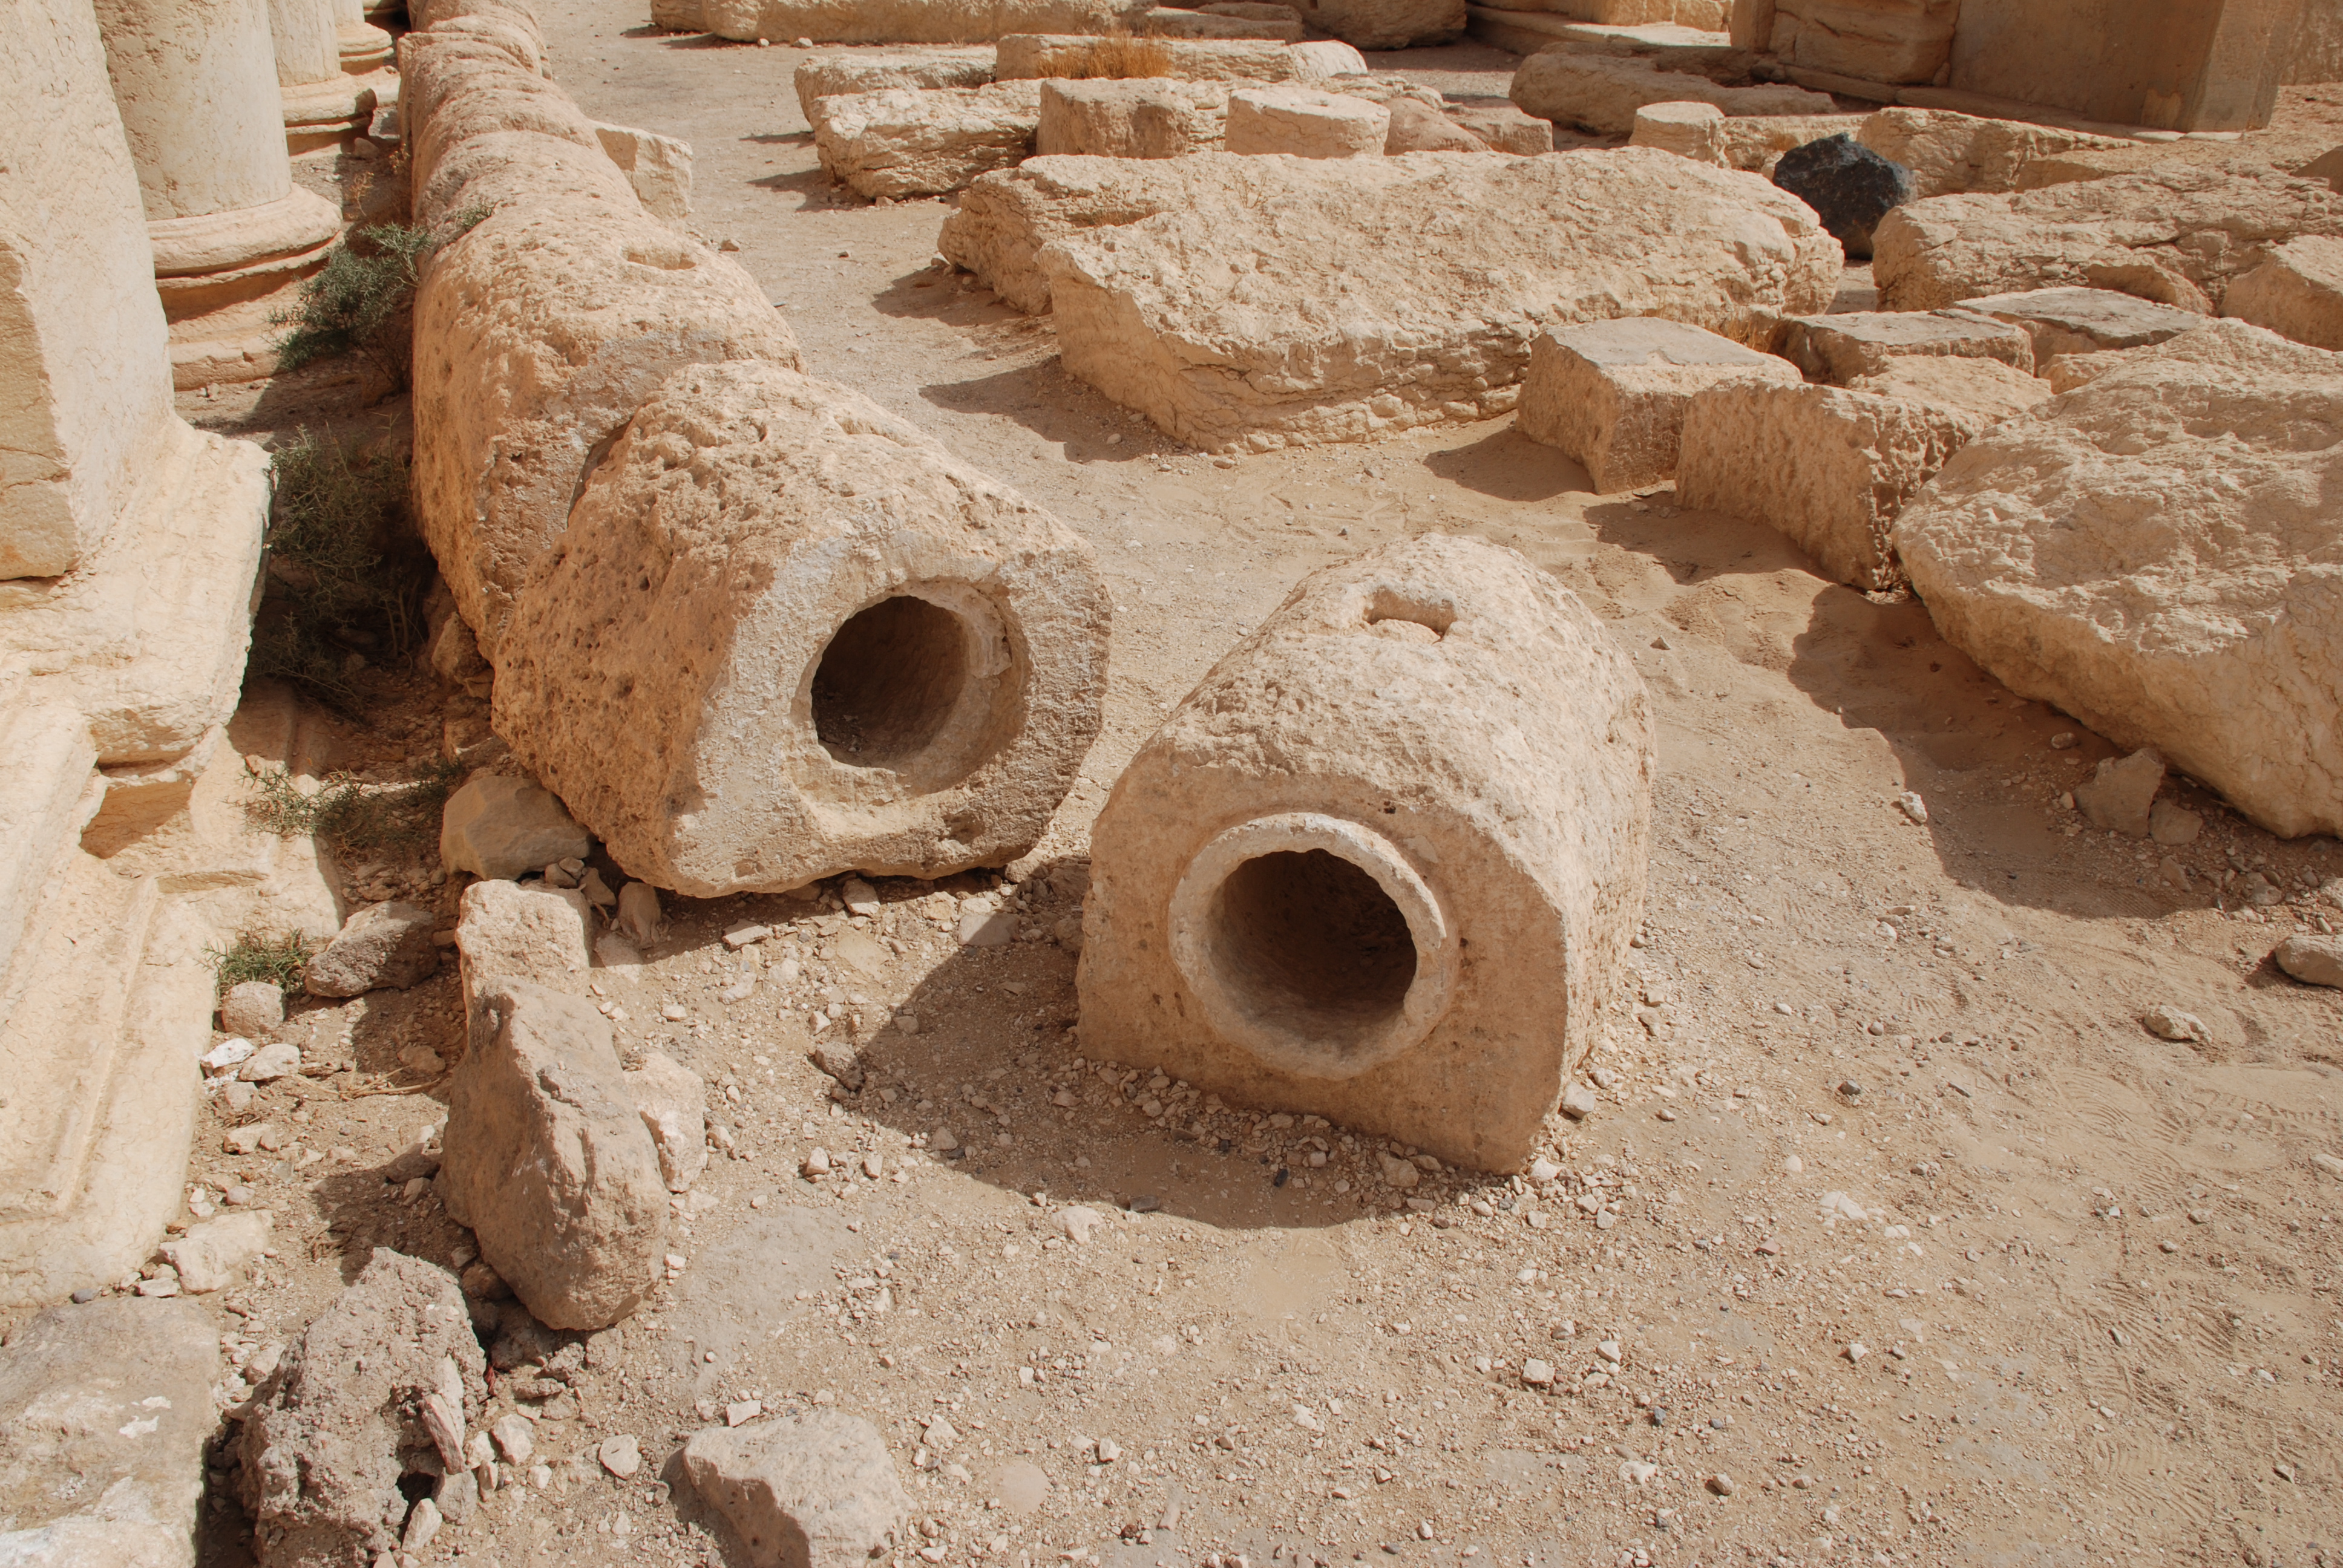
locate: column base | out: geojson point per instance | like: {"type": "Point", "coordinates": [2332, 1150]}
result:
{"type": "Point", "coordinates": [325, 113]}
{"type": "Point", "coordinates": [366, 48]}
{"type": "Point", "coordinates": [222, 275]}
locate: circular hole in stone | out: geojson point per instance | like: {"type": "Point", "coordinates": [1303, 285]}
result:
{"type": "Point", "coordinates": [1309, 943]}
{"type": "Point", "coordinates": [889, 682]}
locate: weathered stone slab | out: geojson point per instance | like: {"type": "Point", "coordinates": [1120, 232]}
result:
{"type": "Point", "coordinates": [500, 827]}
{"type": "Point", "coordinates": [1223, 325]}
{"type": "Point", "coordinates": [1388, 24]}
{"type": "Point", "coordinates": [1831, 467]}
{"type": "Point", "coordinates": [1306, 122]}
{"type": "Point", "coordinates": [1756, 142]}
{"type": "Point", "coordinates": [384, 946]}
{"type": "Point", "coordinates": [2297, 293]}
{"type": "Point", "coordinates": [1844, 347]}
{"type": "Point", "coordinates": [1689, 130]}
{"type": "Point", "coordinates": [1320, 59]}
{"type": "Point", "coordinates": [1869, 40]}
{"type": "Point", "coordinates": [2084, 320]}
{"type": "Point", "coordinates": [917, 20]}
{"type": "Point", "coordinates": [507, 931]}
{"type": "Point", "coordinates": [1234, 20]}
{"type": "Point", "coordinates": [1502, 126]}
{"type": "Point", "coordinates": [865, 71]}
{"type": "Point", "coordinates": [1282, 893]}
{"type": "Point", "coordinates": [1150, 118]}
{"type": "Point", "coordinates": [1600, 93]}
{"type": "Point", "coordinates": [2177, 235]}
{"type": "Point", "coordinates": [1612, 394]}
{"type": "Point", "coordinates": [1036, 54]}
{"type": "Point", "coordinates": [657, 167]}
{"type": "Point", "coordinates": [2150, 554]}
{"type": "Point", "coordinates": [812, 1491]}
{"type": "Point", "coordinates": [1951, 154]}
{"type": "Point", "coordinates": [909, 142]}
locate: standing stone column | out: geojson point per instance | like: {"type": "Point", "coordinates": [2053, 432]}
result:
{"type": "Point", "coordinates": [366, 48]}
{"type": "Point", "coordinates": [195, 83]}
{"type": "Point", "coordinates": [323, 105]}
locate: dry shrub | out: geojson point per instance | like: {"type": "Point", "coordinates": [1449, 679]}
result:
{"type": "Point", "coordinates": [1120, 56]}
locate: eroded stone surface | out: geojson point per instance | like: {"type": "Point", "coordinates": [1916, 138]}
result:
{"type": "Point", "coordinates": [673, 1103]}
{"type": "Point", "coordinates": [908, 142]}
{"type": "Point", "coordinates": [1030, 56]}
{"type": "Point", "coordinates": [1150, 118]}
{"type": "Point", "coordinates": [386, 945]}
{"type": "Point", "coordinates": [2297, 293]}
{"type": "Point", "coordinates": [1600, 93]}
{"type": "Point", "coordinates": [1846, 346]}
{"type": "Point", "coordinates": [812, 1491]}
{"type": "Point", "coordinates": [870, 71]}
{"type": "Point", "coordinates": [1306, 122]}
{"type": "Point", "coordinates": [1612, 394]}
{"type": "Point", "coordinates": [2084, 320]}
{"type": "Point", "coordinates": [1950, 154]}
{"type": "Point", "coordinates": [500, 826]}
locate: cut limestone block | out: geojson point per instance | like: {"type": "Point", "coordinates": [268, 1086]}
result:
{"type": "Point", "coordinates": [1288, 908]}
{"type": "Point", "coordinates": [1239, 20]}
{"type": "Point", "coordinates": [1694, 131]}
{"type": "Point", "coordinates": [1502, 124]}
{"type": "Point", "coordinates": [1029, 56]}
{"type": "Point", "coordinates": [909, 142]}
{"type": "Point", "coordinates": [1306, 122]}
{"type": "Point", "coordinates": [551, 1165]}
{"type": "Point", "coordinates": [856, 652]}
{"type": "Point", "coordinates": [1612, 394]}
{"type": "Point", "coordinates": [1005, 218]}
{"type": "Point", "coordinates": [501, 828]}
{"type": "Point", "coordinates": [816, 1489]}
{"type": "Point", "coordinates": [1849, 186]}
{"type": "Point", "coordinates": [1844, 347]}
{"type": "Point", "coordinates": [380, 1378]}
{"type": "Point", "coordinates": [104, 1411]}
{"type": "Point", "coordinates": [2084, 320]}
{"type": "Point", "coordinates": [1149, 117]}
{"type": "Point", "coordinates": [1830, 466]}
{"type": "Point", "coordinates": [1756, 142]}
{"type": "Point", "coordinates": [2150, 554]}
{"type": "Point", "coordinates": [1322, 57]}
{"type": "Point", "coordinates": [386, 946]}
{"type": "Point", "coordinates": [917, 20]}
{"type": "Point", "coordinates": [846, 76]}
{"type": "Point", "coordinates": [2175, 235]}
{"type": "Point", "coordinates": [1600, 93]}
{"type": "Point", "coordinates": [1386, 24]}
{"type": "Point", "coordinates": [507, 931]}
{"type": "Point", "coordinates": [657, 167]}
{"type": "Point", "coordinates": [2297, 293]}
{"type": "Point", "coordinates": [1419, 128]}
{"type": "Point", "coordinates": [1869, 40]}
{"type": "Point", "coordinates": [1951, 154]}
{"type": "Point", "coordinates": [1224, 326]}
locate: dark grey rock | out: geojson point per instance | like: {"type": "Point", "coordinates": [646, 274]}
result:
{"type": "Point", "coordinates": [1849, 186]}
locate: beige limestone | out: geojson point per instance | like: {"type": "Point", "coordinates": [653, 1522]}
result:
{"type": "Point", "coordinates": [1600, 93]}
{"type": "Point", "coordinates": [2210, 66]}
{"type": "Point", "coordinates": [1689, 130]}
{"type": "Point", "coordinates": [1612, 394]}
{"type": "Point", "coordinates": [858, 653]}
{"type": "Point", "coordinates": [816, 1489]}
{"type": "Point", "coordinates": [1288, 908]}
{"type": "Point", "coordinates": [2297, 293]}
{"type": "Point", "coordinates": [1385, 23]}
{"type": "Point", "coordinates": [2152, 553]}
{"type": "Point", "coordinates": [907, 142]}
{"type": "Point", "coordinates": [1032, 54]}
{"type": "Point", "coordinates": [657, 167]}
{"type": "Point", "coordinates": [548, 1162]}
{"type": "Point", "coordinates": [502, 828]}
{"type": "Point", "coordinates": [683, 16]}
{"type": "Point", "coordinates": [1150, 118]}
{"type": "Point", "coordinates": [323, 105]}
{"type": "Point", "coordinates": [365, 49]}
{"type": "Point", "coordinates": [1320, 59]}
{"type": "Point", "coordinates": [1237, 19]}
{"type": "Point", "coordinates": [507, 931]}
{"type": "Point", "coordinates": [2175, 235]}
{"type": "Point", "coordinates": [870, 71]}
{"type": "Point", "coordinates": [1419, 128]}
{"type": "Point", "coordinates": [1831, 467]}
{"type": "Point", "coordinates": [1843, 347]}
{"type": "Point", "coordinates": [1502, 126]}
{"type": "Point", "coordinates": [2084, 320]}
{"type": "Point", "coordinates": [1005, 218]}
{"type": "Point", "coordinates": [917, 20]}
{"type": "Point", "coordinates": [48, 791]}
{"type": "Point", "coordinates": [672, 1100]}
{"type": "Point", "coordinates": [1870, 40]}
{"type": "Point", "coordinates": [1304, 122]}
{"type": "Point", "coordinates": [1952, 153]}
{"type": "Point", "coordinates": [1756, 142]}
{"type": "Point", "coordinates": [1223, 325]}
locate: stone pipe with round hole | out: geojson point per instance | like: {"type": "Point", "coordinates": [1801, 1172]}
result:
{"type": "Point", "coordinates": [1383, 864]}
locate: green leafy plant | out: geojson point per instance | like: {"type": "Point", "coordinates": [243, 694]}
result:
{"type": "Point", "coordinates": [350, 815]}
{"type": "Point", "coordinates": [362, 300]}
{"type": "Point", "coordinates": [280, 959]}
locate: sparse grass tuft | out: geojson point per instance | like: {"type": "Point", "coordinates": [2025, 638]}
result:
{"type": "Point", "coordinates": [362, 300]}
{"type": "Point", "coordinates": [349, 815]}
{"type": "Point", "coordinates": [1119, 56]}
{"type": "Point", "coordinates": [282, 959]}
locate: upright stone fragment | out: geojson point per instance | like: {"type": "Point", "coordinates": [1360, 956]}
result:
{"type": "Point", "coordinates": [1289, 909]}
{"type": "Point", "coordinates": [1600, 93]}
{"type": "Point", "coordinates": [1306, 122]}
{"type": "Point", "coordinates": [507, 931]}
{"type": "Point", "coordinates": [1150, 118]}
{"type": "Point", "coordinates": [673, 1103]}
{"type": "Point", "coordinates": [1831, 467]}
{"type": "Point", "coordinates": [548, 1162]}
{"type": "Point", "coordinates": [2158, 553]}
{"type": "Point", "coordinates": [907, 142]}
{"type": "Point", "coordinates": [856, 652]}
{"type": "Point", "coordinates": [104, 1412]}
{"type": "Point", "coordinates": [2297, 293]}
{"type": "Point", "coordinates": [500, 826]}
{"type": "Point", "coordinates": [812, 1491]}
{"type": "Point", "coordinates": [1612, 394]}
{"type": "Point", "coordinates": [1224, 325]}
{"type": "Point", "coordinates": [1848, 184]}
{"type": "Point", "coordinates": [341, 1422]}
{"type": "Point", "coordinates": [1849, 345]}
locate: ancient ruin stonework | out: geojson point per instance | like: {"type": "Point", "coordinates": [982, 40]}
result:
{"type": "Point", "coordinates": [1600, 93]}
{"type": "Point", "coordinates": [1289, 907]}
{"type": "Point", "coordinates": [1612, 394]}
{"type": "Point", "coordinates": [1150, 118]}
{"type": "Point", "coordinates": [908, 142]}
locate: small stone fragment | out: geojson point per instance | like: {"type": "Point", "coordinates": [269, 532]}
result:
{"type": "Point", "coordinates": [502, 828]}
{"type": "Point", "coordinates": [1721, 1483]}
{"type": "Point", "coordinates": [621, 1455]}
{"type": "Point", "coordinates": [1536, 1373]}
{"type": "Point", "coordinates": [672, 1100]}
{"type": "Point", "coordinates": [2119, 794]}
{"type": "Point", "coordinates": [639, 913]}
{"type": "Point", "coordinates": [2168, 1022]}
{"type": "Point", "coordinates": [2312, 960]}
{"type": "Point", "coordinates": [1578, 1102]}
{"type": "Point", "coordinates": [2172, 824]}
{"type": "Point", "coordinates": [252, 1009]}
{"type": "Point", "coordinates": [515, 1437]}
{"type": "Point", "coordinates": [277, 1059]}
{"type": "Point", "coordinates": [213, 1255]}
{"type": "Point", "coordinates": [389, 946]}
{"type": "Point", "coordinates": [1077, 1222]}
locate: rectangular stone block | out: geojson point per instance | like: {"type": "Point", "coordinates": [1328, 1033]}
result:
{"type": "Point", "coordinates": [1829, 467]}
{"type": "Point", "coordinates": [1612, 394]}
{"type": "Point", "coordinates": [2297, 293]}
{"type": "Point", "coordinates": [2207, 66]}
{"type": "Point", "coordinates": [1953, 154]}
{"type": "Point", "coordinates": [915, 21]}
{"type": "Point", "coordinates": [905, 142]}
{"type": "Point", "coordinates": [1035, 55]}
{"type": "Point", "coordinates": [1870, 40]}
{"type": "Point", "coordinates": [1841, 349]}
{"type": "Point", "coordinates": [2084, 320]}
{"type": "Point", "coordinates": [1600, 93]}
{"type": "Point", "coordinates": [1236, 19]}
{"type": "Point", "coordinates": [876, 71]}
{"type": "Point", "coordinates": [1287, 119]}
{"type": "Point", "coordinates": [1502, 124]}
{"type": "Point", "coordinates": [1150, 118]}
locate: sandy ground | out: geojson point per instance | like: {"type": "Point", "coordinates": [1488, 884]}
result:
{"type": "Point", "coordinates": [1880, 1084]}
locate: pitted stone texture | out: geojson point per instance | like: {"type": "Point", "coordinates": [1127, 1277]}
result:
{"type": "Point", "coordinates": [1850, 186]}
{"type": "Point", "coordinates": [388, 946]}
{"type": "Point", "coordinates": [2176, 233]}
{"type": "Point", "coordinates": [2297, 293]}
{"type": "Point", "coordinates": [1831, 467]}
{"type": "Point", "coordinates": [908, 142]}
{"type": "Point", "coordinates": [769, 511]}
{"type": "Point", "coordinates": [1005, 218]}
{"type": "Point", "coordinates": [2150, 553]}
{"type": "Point", "coordinates": [846, 75]}
{"type": "Point", "coordinates": [1950, 154]}
{"type": "Point", "coordinates": [548, 1162]}
{"type": "Point", "coordinates": [1306, 122]}
{"type": "Point", "coordinates": [507, 931]}
{"type": "Point", "coordinates": [2084, 320]}
{"type": "Point", "coordinates": [1612, 394]}
{"type": "Point", "coordinates": [1689, 130]}
{"type": "Point", "coordinates": [1036, 54]}
{"type": "Point", "coordinates": [1289, 909]}
{"type": "Point", "coordinates": [673, 1103]}
{"type": "Point", "coordinates": [1224, 326]}
{"type": "Point", "coordinates": [1321, 58]}
{"type": "Point", "coordinates": [916, 21]}
{"type": "Point", "coordinates": [812, 1491]}
{"type": "Point", "coordinates": [1419, 128]}
{"type": "Point", "coordinates": [104, 1412]}
{"type": "Point", "coordinates": [1145, 117]}
{"type": "Point", "coordinates": [1756, 142]}
{"type": "Point", "coordinates": [538, 332]}
{"type": "Point", "coordinates": [501, 828]}
{"type": "Point", "coordinates": [1503, 126]}
{"type": "Point", "coordinates": [1600, 93]}
{"type": "Point", "coordinates": [332, 1431]}
{"type": "Point", "coordinates": [1388, 24]}
{"type": "Point", "coordinates": [1844, 348]}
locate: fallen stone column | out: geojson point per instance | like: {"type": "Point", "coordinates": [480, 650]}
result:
{"type": "Point", "coordinates": [1600, 93]}
{"type": "Point", "coordinates": [1225, 324]}
{"type": "Point", "coordinates": [879, 659]}
{"type": "Point", "coordinates": [908, 142]}
{"type": "Point", "coordinates": [1383, 864]}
